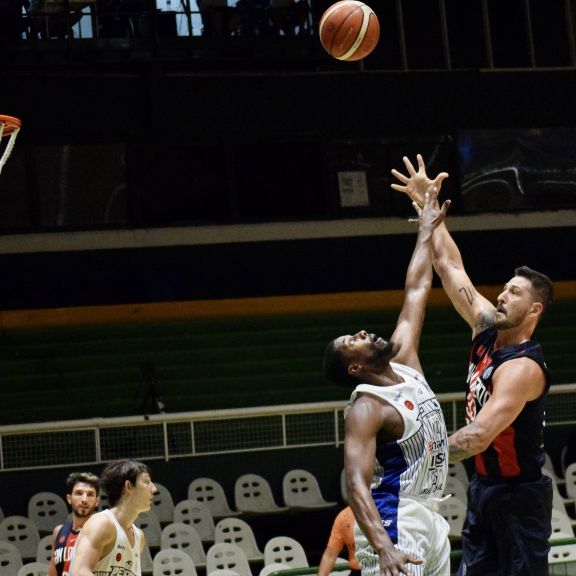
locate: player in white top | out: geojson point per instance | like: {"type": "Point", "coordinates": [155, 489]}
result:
{"type": "Point", "coordinates": [110, 544]}
{"type": "Point", "coordinates": [395, 446]}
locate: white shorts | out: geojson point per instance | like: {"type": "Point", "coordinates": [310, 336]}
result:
{"type": "Point", "coordinates": [422, 532]}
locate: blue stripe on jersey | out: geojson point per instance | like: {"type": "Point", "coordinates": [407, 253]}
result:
{"type": "Point", "coordinates": [386, 493]}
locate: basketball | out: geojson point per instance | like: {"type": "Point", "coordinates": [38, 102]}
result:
{"type": "Point", "coordinates": [349, 30]}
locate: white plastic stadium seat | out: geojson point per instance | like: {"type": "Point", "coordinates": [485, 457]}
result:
{"type": "Point", "coordinates": [44, 549]}
{"type": "Point", "coordinates": [197, 515]}
{"type": "Point", "coordinates": [183, 537]}
{"type": "Point", "coordinates": [252, 493]}
{"type": "Point", "coordinates": [454, 512]}
{"type": "Point", "coordinates": [171, 562]}
{"type": "Point", "coordinates": [21, 532]}
{"type": "Point", "coordinates": [455, 487]}
{"type": "Point", "coordinates": [274, 567]}
{"type": "Point", "coordinates": [163, 504]}
{"type": "Point", "coordinates": [285, 550]}
{"type": "Point", "coordinates": [239, 532]}
{"type": "Point", "coordinates": [300, 489]}
{"type": "Point", "coordinates": [10, 559]}
{"type": "Point", "coordinates": [211, 493]}
{"type": "Point", "coordinates": [149, 523]}
{"type": "Point", "coordinates": [226, 556]}
{"type": "Point", "coordinates": [47, 510]}
{"type": "Point", "coordinates": [570, 480]}
{"type": "Point", "coordinates": [34, 569]}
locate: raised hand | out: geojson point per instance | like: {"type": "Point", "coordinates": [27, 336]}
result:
{"type": "Point", "coordinates": [416, 183]}
{"type": "Point", "coordinates": [430, 214]}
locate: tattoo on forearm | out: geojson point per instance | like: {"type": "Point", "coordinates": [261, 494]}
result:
{"type": "Point", "coordinates": [456, 454]}
{"type": "Point", "coordinates": [463, 443]}
{"type": "Point", "coordinates": [469, 293]}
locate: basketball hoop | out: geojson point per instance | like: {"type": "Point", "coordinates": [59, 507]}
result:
{"type": "Point", "coordinates": [9, 128]}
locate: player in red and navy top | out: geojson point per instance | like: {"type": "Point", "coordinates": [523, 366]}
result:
{"type": "Point", "coordinates": [82, 490]}
{"type": "Point", "coordinates": [508, 522]}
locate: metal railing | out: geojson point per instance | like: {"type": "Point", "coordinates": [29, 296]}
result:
{"type": "Point", "coordinates": [189, 434]}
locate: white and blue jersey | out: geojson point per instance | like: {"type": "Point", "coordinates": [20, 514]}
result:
{"type": "Point", "coordinates": [410, 475]}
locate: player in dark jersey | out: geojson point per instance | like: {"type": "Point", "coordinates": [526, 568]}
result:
{"type": "Point", "coordinates": [508, 523]}
{"type": "Point", "coordinates": [82, 490]}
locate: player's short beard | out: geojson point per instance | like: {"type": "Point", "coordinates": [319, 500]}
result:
{"type": "Point", "coordinates": [384, 355]}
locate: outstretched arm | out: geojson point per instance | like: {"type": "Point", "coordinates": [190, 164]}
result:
{"type": "Point", "coordinates": [418, 282]}
{"type": "Point", "coordinates": [476, 310]}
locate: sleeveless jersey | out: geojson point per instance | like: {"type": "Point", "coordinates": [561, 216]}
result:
{"type": "Point", "coordinates": [416, 465]}
{"type": "Point", "coordinates": [64, 548]}
{"type": "Point", "coordinates": [517, 453]}
{"type": "Point", "coordinates": [123, 559]}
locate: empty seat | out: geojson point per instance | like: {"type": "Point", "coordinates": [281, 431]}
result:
{"type": "Point", "coordinates": [223, 572]}
{"type": "Point", "coordinates": [163, 504]}
{"type": "Point", "coordinates": [300, 489]}
{"type": "Point", "coordinates": [210, 492]}
{"type": "Point", "coordinates": [252, 493]}
{"type": "Point", "coordinates": [34, 569]}
{"type": "Point", "coordinates": [10, 559]}
{"type": "Point", "coordinates": [172, 562]}
{"type": "Point", "coordinates": [561, 524]}
{"type": "Point", "coordinates": [563, 554]}
{"type": "Point", "coordinates": [47, 510]}
{"type": "Point", "coordinates": [226, 556]}
{"type": "Point", "coordinates": [44, 549]}
{"type": "Point", "coordinates": [455, 487]}
{"type": "Point", "coordinates": [454, 512]}
{"type": "Point", "coordinates": [458, 470]}
{"type": "Point", "coordinates": [22, 533]}
{"type": "Point", "coordinates": [198, 516]}
{"type": "Point", "coordinates": [239, 532]}
{"type": "Point", "coordinates": [146, 561]}
{"type": "Point", "coordinates": [149, 523]}
{"type": "Point", "coordinates": [274, 567]}
{"type": "Point", "coordinates": [185, 538]}
{"type": "Point", "coordinates": [285, 550]}
{"type": "Point", "coordinates": [570, 480]}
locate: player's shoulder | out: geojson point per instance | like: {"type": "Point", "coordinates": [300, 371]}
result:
{"type": "Point", "coordinates": [99, 521]}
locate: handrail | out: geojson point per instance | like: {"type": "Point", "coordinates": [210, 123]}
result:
{"type": "Point", "coordinates": [207, 433]}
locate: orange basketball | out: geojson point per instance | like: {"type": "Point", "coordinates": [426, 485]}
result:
{"type": "Point", "coordinates": [349, 30]}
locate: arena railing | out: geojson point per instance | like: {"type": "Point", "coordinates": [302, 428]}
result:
{"type": "Point", "coordinates": [188, 434]}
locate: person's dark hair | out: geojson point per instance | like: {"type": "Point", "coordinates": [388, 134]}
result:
{"type": "Point", "coordinates": [336, 367]}
{"type": "Point", "coordinates": [115, 475]}
{"type": "Point", "coordinates": [542, 288]}
{"type": "Point", "coordinates": [85, 477]}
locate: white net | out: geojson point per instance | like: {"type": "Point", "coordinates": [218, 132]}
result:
{"type": "Point", "coordinates": [9, 129]}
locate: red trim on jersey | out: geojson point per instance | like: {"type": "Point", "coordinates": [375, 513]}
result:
{"type": "Point", "coordinates": [480, 466]}
{"type": "Point", "coordinates": [506, 450]}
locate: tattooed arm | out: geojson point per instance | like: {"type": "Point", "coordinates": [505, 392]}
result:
{"type": "Point", "coordinates": [471, 305]}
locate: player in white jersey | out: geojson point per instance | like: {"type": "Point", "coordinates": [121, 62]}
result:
{"type": "Point", "coordinates": [395, 445]}
{"type": "Point", "coordinates": [110, 544]}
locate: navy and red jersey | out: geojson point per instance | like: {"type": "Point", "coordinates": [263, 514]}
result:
{"type": "Point", "coordinates": [64, 548]}
{"type": "Point", "coordinates": [517, 453]}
